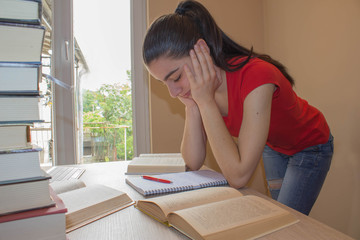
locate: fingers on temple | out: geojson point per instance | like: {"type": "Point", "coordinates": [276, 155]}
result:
{"type": "Point", "coordinates": [195, 62]}
{"type": "Point", "coordinates": [209, 61]}
{"type": "Point", "coordinates": [189, 74]}
{"type": "Point", "coordinates": [205, 59]}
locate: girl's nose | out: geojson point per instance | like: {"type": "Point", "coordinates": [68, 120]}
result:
{"type": "Point", "coordinates": [174, 89]}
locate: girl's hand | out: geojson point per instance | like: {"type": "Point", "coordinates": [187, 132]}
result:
{"type": "Point", "coordinates": [206, 78]}
{"type": "Point", "coordinates": [188, 102]}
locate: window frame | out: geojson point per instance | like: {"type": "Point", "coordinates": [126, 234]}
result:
{"type": "Point", "coordinates": [64, 117]}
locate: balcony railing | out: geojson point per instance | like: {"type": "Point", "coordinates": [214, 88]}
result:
{"type": "Point", "coordinates": [98, 143]}
{"type": "Point", "coordinates": [41, 135]}
{"type": "Point", "coordinates": [102, 143]}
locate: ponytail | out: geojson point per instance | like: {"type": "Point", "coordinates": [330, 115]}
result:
{"type": "Point", "coordinates": [174, 35]}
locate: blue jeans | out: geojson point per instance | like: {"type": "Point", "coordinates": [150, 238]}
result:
{"type": "Point", "coordinates": [296, 180]}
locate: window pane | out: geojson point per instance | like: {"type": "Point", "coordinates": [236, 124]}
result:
{"type": "Point", "coordinates": [103, 80]}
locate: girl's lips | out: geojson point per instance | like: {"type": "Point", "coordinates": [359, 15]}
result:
{"type": "Point", "coordinates": [186, 95]}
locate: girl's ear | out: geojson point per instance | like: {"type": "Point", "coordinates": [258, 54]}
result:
{"type": "Point", "coordinates": [200, 41]}
{"type": "Point", "coordinates": [203, 43]}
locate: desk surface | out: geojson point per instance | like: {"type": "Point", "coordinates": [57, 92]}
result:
{"type": "Point", "coordinates": [131, 224]}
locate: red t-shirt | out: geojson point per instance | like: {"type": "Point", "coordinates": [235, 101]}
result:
{"type": "Point", "coordinates": [294, 124]}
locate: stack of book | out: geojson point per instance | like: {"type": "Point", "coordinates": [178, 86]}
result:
{"type": "Point", "coordinates": [29, 208]}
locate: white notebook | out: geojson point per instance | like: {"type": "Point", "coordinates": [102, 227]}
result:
{"type": "Point", "coordinates": [182, 181]}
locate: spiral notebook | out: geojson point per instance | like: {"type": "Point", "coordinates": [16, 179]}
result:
{"type": "Point", "coordinates": [182, 181]}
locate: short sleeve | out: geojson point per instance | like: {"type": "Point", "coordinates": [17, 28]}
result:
{"type": "Point", "coordinates": [257, 74]}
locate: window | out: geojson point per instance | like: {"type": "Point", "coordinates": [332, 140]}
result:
{"type": "Point", "coordinates": [103, 76]}
{"type": "Point", "coordinates": [41, 133]}
{"type": "Point", "coordinates": [64, 68]}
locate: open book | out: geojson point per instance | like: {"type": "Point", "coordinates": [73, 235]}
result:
{"type": "Point", "coordinates": [156, 164]}
{"type": "Point", "coordinates": [86, 204]}
{"type": "Point", "coordinates": [217, 213]}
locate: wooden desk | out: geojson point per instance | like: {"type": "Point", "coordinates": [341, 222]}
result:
{"type": "Point", "coordinates": [131, 224]}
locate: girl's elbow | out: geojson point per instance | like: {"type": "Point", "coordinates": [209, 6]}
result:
{"type": "Point", "coordinates": [236, 185]}
{"type": "Point", "coordinates": [193, 167]}
{"type": "Point", "coordinates": [238, 182]}
{"type": "Point", "coordinates": [193, 164]}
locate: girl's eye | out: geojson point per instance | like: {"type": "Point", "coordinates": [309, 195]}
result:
{"type": "Point", "coordinates": [178, 78]}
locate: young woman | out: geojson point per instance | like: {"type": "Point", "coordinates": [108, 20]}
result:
{"type": "Point", "coordinates": [230, 91]}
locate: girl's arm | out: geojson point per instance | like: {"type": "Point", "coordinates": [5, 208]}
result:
{"type": "Point", "coordinates": [236, 160]}
{"type": "Point", "coordinates": [193, 145]}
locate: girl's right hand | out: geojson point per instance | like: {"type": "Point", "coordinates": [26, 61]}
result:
{"type": "Point", "coordinates": [205, 78]}
{"type": "Point", "coordinates": [188, 102]}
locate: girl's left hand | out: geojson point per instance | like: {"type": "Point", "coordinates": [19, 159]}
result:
{"type": "Point", "coordinates": [206, 78]}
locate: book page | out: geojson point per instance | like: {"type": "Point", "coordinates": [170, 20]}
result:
{"type": "Point", "coordinates": [177, 201]}
{"type": "Point", "coordinates": [90, 203]}
{"type": "Point", "coordinates": [236, 213]}
{"type": "Point", "coordinates": [88, 196]}
{"type": "Point", "coordinates": [68, 185]}
{"type": "Point", "coordinates": [157, 155]}
{"type": "Point", "coordinates": [157, 161]}
{"type": "Point", "coordinates": [149, 164]}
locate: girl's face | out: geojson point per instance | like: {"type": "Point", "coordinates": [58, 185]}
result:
{"type": "Point", "coordinates": [171, 72]}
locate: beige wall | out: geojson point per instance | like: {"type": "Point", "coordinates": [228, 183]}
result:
{"type": "Point", "coordinates": [166, 114]}
{"type": "Point", "coordinates": [319, 43]}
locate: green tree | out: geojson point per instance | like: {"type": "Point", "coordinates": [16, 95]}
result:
{"type": "Point", "coordinates": [89, 101]}
{"type": "Point", "coordinates": [107, 110]}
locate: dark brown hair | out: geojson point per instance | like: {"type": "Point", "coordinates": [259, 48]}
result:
{"type": "Point", "coordinates": [174, 35]}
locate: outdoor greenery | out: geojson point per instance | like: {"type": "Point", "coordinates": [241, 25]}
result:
{"type": "Point", "coordinates": [107, 113]}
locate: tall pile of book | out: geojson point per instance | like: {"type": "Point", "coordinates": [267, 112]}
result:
{"type": "Point", "coordinates": [29, 209]}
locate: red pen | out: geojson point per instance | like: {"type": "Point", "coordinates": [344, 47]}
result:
{"type": "Point", "coordinates": [156, 179]}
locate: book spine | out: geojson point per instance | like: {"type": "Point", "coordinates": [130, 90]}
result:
{"type": "Point", "coordinates": [21, 25]}
{"type": "Point", "coordinates": [21, 64]}
{"type": "Point", "coordinates": [21, 122]}
{"type": "Point", "coordinates": [20, 78]}
{"type": "Point", "coordinates": [25, 180]}
{"type": "Point", "coordinates": [24, 150]}
{"type": "Point", "coordinates": [25, 96]}
{"type": "Point", "coordinates": [21, 93]}
{"type": "Point", "coordinates": [34, 21]}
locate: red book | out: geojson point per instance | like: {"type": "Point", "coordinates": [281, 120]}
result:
{"type": "Point", "coordinates": [43, 223]}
